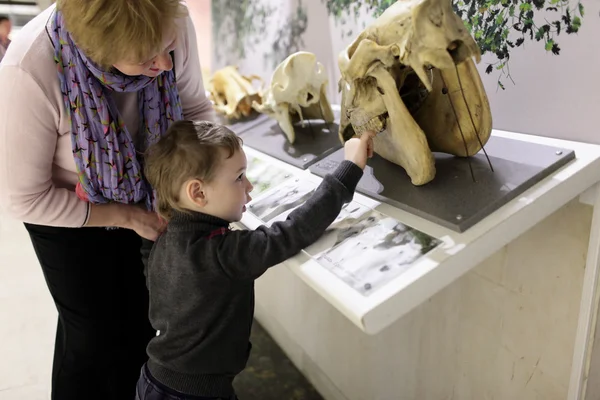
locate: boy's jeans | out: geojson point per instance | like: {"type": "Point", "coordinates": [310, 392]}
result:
{"type": "Point", "coordinates": [149, 389]}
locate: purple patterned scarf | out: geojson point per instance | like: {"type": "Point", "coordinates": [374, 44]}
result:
{"type": "Point", "coordinates": [104, 152]}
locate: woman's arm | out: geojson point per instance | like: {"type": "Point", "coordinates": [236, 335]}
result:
{"type": "Point", "coordinates": [145, 223]}
{"type": "Point", "coordinates": [196, 106]}
{"type": "Point", "coordinates": [28, 136]}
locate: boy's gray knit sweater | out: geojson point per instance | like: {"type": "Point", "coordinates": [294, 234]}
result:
{"type": "Point", "coordinates": [201, 281]}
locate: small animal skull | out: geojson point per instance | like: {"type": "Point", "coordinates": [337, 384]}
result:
{"type": "Point", "coordinates": [410, 77]}
{"type": "Point", "coordinates": [297, 92]}
{"type": "Point", "coordinates": [232, 94]}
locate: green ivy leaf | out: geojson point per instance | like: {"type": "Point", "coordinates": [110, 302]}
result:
{"type": "Point", "coordinates": [549, 45]}
{"type": "Point", "coordinates": [539, 35]}
{"type": "Point", "coordinates": [576, 23]}
{"type": "Point", "coordinates": [581, 9]}
{"type": "Point", "coordinates": [525, 7]}
{"type": "Point", "coordinates": [500, 66]}
{"type": "Point", "coordinates": [511, 10]}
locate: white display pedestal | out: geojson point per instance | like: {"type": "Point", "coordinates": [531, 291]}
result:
{"type": "Point", "coordinates": [505, 310]}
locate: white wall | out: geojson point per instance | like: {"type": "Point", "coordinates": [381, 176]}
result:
{"type": "Point", "coordinates": [555, 96]}
{"type": "Point", "coordinates": [200, 14]}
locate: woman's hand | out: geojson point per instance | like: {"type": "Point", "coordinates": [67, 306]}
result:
{"type": "Point", "coordinates": [145, 223]}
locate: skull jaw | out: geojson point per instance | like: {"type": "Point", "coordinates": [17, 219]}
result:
{"type": "Point", "coordinates": [466, 129]}
{"type": "Point", "coordinates": [400, 139]}
{"type": "Point", "coordinates": [404, 142]}
{"type": "Point", "coordinates": [232, 94]}
{"type": "Point", "coordinates": [320, 110]}
{"type": "Point", "coordinates": [286, 114]}
{"type": "Point", "coordinates": [402, 130]}
{"type": "Point", "coordinates": [242, 108]}
{"type": "Point", "coordinates": [297, 92]}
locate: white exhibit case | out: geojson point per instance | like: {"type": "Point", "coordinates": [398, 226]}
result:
{"type": "Point", "coordinates": [375, 285]}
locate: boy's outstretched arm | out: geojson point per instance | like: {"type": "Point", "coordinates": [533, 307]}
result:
{"type": "Point", "coordinates": [248, 254]}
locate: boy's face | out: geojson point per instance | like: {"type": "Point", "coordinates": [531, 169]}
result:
{"type": "Point", "coordinates": [228, 193]}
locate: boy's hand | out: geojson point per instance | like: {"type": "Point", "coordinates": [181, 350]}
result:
{"type": "Point", "coordinates": [358, 150]}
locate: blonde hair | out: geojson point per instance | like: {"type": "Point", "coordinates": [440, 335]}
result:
{"type": "Point", "coordinates": [189, 150]}
{"type": "Point", "coordinates": [113, 31]}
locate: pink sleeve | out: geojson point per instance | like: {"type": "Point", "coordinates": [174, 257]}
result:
{"type": "Point", "coordinates": [196, 106]}
{"type": "Point", "coordinates": [28, 137]}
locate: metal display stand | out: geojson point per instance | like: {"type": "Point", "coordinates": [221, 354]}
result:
{"type": "Point", "coordinates": [314, 141]}
{"type": "Point", "coordinates": [457, 198]}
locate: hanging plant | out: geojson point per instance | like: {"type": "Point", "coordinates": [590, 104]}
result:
{"type": "Point", "coordinates": [243, 23]}
{"type": "Point", "coordinates": [289, 37]}
{"type": "Point", "coordinates": [498, 26]}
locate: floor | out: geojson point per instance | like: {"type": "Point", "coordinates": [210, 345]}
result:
{"type": "Point", "coordinates": [28, 323]}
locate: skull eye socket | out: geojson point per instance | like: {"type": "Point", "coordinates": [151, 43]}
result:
{"type": "Point", "coordinates": [455, 49]}
{"type": "Point", "coordinates": [309, 97]}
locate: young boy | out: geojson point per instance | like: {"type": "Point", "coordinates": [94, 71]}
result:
{"type": "Point", "coordinates": [200, 274]}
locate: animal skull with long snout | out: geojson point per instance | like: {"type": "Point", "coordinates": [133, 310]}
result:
{"type": "Point", "coordinates": [232, 94]}
{"type": "Point", "coordinates": [410, 77]}
{"type": "Point", "coordinates": [297, 92]}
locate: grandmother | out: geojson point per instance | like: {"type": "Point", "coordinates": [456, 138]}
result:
{"type": "Point", "coordinates": [86, 86]}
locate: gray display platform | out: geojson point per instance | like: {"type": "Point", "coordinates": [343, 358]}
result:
{"type": "Point", "coordinates": [240, 126]}
{"type": "Point", "coordinates": [453, 199]}
{"type": "Point", "coordinates": [314, 141]}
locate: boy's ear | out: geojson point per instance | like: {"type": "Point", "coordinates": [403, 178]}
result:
{"type": "Point", "coordinates": [195, 191]}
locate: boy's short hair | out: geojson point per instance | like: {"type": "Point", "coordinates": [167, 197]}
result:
{"type": "Point", "coordinates": [113, 31]}
{"type": "Point", "coordinates": [188, 150]}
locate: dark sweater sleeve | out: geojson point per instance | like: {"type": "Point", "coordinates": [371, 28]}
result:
{"type": "Point", "coordinates": [248, 254]}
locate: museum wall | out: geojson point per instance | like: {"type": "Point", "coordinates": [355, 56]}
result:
{"type": "Point", "coordinates": [556, 96]}
{"type": "Point", "coordinates": [200, 14]}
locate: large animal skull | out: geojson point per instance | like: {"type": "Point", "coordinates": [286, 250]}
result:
{"type": "Point", "coordinates": [410, 76]}
{"type": "Point", "coordinates": [297, 92]}
{"type": "Point", "coordinates": [232, 94]}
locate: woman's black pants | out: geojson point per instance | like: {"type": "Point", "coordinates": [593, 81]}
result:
{"type": "Point", "coordinates": [96, 279]}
